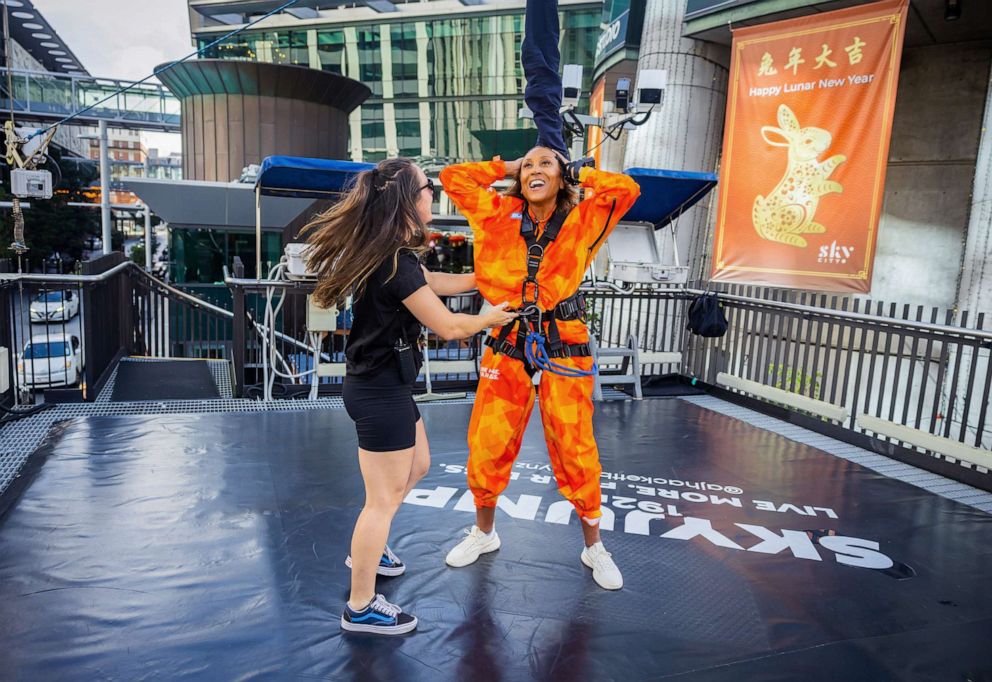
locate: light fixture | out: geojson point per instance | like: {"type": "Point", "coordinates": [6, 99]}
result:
{"type": "Point", "coordinates": [22, 15]}
{"type": "Point", "coordinates": [31, 26]}
{"type": "Point", "coordinates": [952, 10]}
{"type": "Point", "coordinates": [51, 44]}
{"type": "Point", "coordinates": [12, 3]}
{"type": "Point", "coordinates": [64, 60]}
{"type": "Point", "coordinates": [57, 53]}
{"type": "Point", "coordinates": [42, 36]}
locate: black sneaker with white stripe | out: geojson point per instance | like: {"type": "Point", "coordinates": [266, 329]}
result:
{"type": "Point", "coordinates": [379, 617]}
{"type": "Point", "coordinates": [389, 564]}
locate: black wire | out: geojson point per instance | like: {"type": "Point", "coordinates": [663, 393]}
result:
{"type": "Point", "coordinates": [575, 125]}
{"type": "Point", "coordinates": [614, 131]}
{"type": "Point", "coordinates": [14, 415]}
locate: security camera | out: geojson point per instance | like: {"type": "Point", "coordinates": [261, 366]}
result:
{"type": "Point", "coordinates": [651, 85]}
{"type": "Point", "coordinates": [571, 85]}
{"type": "Point", "coordinates": [622, 98]}
{"type": "Point", "coordinates": [31, 184]}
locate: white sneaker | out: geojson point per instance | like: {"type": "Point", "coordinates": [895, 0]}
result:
{"type": "Point", "coordinates": [468, 550]}
{"type": "Point", "coordinates": [604, 571]}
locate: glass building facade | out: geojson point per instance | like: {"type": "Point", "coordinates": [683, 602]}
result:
{"type": "Point", "coordinates": [444, 88]}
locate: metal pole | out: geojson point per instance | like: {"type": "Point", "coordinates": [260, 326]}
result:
{"type": "Point", "coordinates": [258, 232]}
{"type": "Point", "coordinates": [104, 188]}
{"type": "Point", "coordinates": [148, 239]}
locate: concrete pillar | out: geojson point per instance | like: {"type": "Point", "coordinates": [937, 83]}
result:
{"type": "Point", "coordinates": [686, 133]}
{"type": "Point", "coordinates": [105, 222]}
{"type": "Point", "coordinates": [975, 293]}
{"type": "Point", "coordinates": [975, 289]}
{"type": "Point", "coordinates": [148, 239]}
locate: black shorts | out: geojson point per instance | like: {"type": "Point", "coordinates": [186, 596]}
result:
{"type": "Point", "coordinates": [383, 410]}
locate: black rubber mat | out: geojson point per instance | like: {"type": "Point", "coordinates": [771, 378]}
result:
{"type": "Point", "coordinates": [212, 547]}
{"type": "Point", "coordinates": [164, 380]}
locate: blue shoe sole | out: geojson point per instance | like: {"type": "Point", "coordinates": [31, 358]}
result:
{"type": "Point", "coordinates": [378, 629]}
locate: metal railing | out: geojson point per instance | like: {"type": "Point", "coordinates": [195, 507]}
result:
{"type": "Point", "coordinates": [879, 371]}
{"type": "Point", "coordinates": [40, 95]}
{"type": "Point", "coordinates": [928, 370]}
{"type": "Point", "coordinates": [65, 333]}
{"type": "Point", "coordinates": [900, 375]}
{"type": "Point", "coordinates": [287, 303]}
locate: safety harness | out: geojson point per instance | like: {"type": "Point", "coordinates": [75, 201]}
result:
{"type": "Point", "coordinates": [532, 346]}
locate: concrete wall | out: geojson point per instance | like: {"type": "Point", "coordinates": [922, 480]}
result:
{"type": "Point", "coordinates": [686, 133]}
{"type": "Point", "coordinates": [929, 183]}
{"type": "Point", "coordinates": [224, 133]}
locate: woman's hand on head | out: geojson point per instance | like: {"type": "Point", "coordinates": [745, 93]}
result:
{"type": "Point", "coordinates": [511, 168]}
{"type": "Point", "coordinates": [498, 315]}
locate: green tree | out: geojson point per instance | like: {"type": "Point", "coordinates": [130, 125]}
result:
{"type": "Point", "coordinates": [52, 226]}
{"type": "Point", "coordinates": [138, 250]}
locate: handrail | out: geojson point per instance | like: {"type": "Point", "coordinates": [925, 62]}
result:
{"type": "Point", "coordinates": [984, 335]}
{"type": "Point", "coordinates": [248, 283]}
{"type": "Point", "coordinates": [189, 298]}
{"type": "Point", "coordinates": [69, 76]}
{"type": "Point", "coordinates": [68, 279]}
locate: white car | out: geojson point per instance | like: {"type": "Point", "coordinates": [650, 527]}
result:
{"type": "Point", "coordinates": [54, 306]}
{"type": "Point", "coordinates": [50, 360]}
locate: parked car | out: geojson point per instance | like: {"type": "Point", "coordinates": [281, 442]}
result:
{"type": "Point", "coordinates": [55, 306]}
{"type": "Point", "coordinates": [50, 360]}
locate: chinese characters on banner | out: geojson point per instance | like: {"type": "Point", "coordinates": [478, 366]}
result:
{"type": "Point", "coordinates": [805, 146]}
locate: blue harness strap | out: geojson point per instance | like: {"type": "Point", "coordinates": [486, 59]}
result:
{"type": "Point", "coordinates": [533, 346]}
{"type": "Point", "coordinates": [537, 356]}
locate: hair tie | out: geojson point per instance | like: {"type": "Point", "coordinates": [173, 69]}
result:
{"type": "Point", "coordinates": [378, 184]}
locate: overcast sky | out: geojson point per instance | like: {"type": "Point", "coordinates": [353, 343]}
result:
{"type": "Point", "coordinates": [123, 39]}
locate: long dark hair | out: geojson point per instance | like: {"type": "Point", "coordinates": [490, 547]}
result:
{"type": "Point", "coordinates": [375, 220]}
{"type": "Point", "coordinates": [568, 195]}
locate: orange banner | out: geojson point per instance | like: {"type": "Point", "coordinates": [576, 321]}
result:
{"type": "Point", "coordinates": [806, 141]}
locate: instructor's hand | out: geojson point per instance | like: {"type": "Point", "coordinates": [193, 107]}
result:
{"type": "Point", "coordinates": [573, 168]}
{"type": "Point", "coordinates": [498, 316]}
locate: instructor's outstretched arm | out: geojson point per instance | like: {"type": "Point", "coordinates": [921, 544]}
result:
{"type": "Point", "coordinates": [447, 284]}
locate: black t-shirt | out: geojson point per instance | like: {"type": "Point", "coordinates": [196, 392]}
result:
{"type": "Point", "coordinates": [379, 318]}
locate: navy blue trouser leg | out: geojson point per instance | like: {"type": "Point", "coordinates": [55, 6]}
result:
{"type": "Point", "coordinates": [541, 61]}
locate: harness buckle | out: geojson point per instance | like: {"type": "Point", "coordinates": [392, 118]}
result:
{"type": "Point", "coordinates": [527, 302]}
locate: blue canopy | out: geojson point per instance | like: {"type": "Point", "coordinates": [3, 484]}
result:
{"type": "Point", "coordinates": [665, 194]}
{"type": "Point", "coordinates": [296, 176]}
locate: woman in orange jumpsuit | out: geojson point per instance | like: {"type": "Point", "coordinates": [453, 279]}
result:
{"type": "Point", "coordinates": [533, 244]}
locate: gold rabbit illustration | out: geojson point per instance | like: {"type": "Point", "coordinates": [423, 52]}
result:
{"type": "Point", "coordinates": [788, 210]}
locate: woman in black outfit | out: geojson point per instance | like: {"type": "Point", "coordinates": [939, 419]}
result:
{"type": "Point", "coordinates": [368, 246]}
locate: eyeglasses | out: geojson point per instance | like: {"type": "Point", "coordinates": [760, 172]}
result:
{"type": "Point", "coordinates": [429, 185]}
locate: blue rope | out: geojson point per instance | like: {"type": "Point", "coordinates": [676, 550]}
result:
{"type": "Point", "coordinates": [165, 68]}
{"type": "Point", "coordinates": [537, 356]}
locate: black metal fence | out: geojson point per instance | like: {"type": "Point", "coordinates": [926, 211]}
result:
{"type": "Point", "coordinates": [900, 375]}
{"type": "Point", "coordinates": [65, 333]}
{"type": "Point", "coordinates": [277, 310]}
{"type": "Point", "coordinates": [926, 369]}
{"type": "Point", "coordinates": [895, 374]}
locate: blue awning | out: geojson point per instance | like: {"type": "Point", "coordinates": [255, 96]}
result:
{"type": "Point", "coordinates": [665, 194]}
{"type": "Point", "coordinates": [296, 176]}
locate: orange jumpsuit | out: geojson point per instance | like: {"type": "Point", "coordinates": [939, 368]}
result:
{"type": "Point", "coordinates": [505, 396]}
